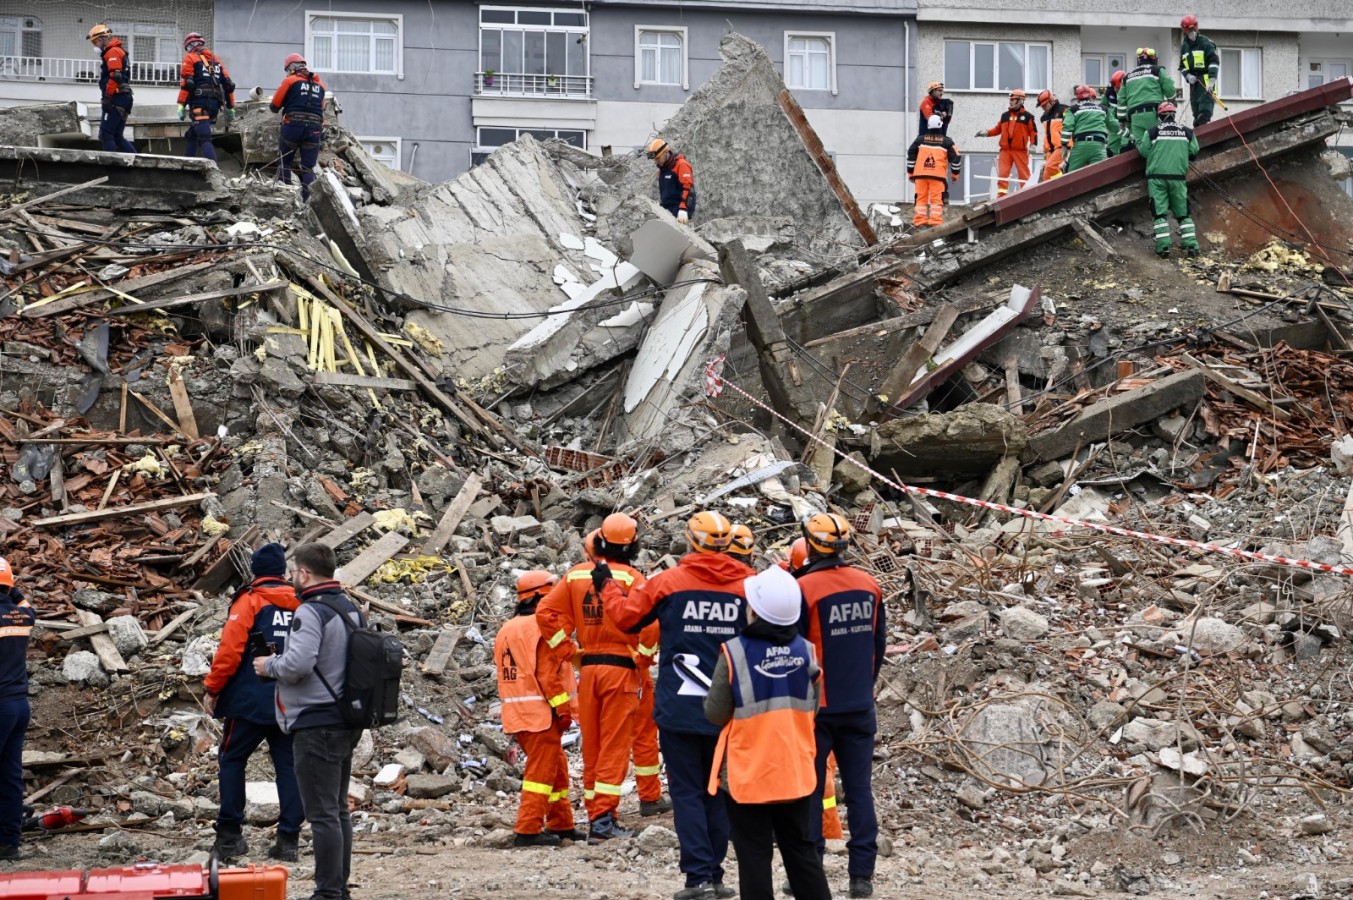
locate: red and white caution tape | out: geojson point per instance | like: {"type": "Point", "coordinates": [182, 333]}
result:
{"type": "Point", "coordinates": [715, 383]}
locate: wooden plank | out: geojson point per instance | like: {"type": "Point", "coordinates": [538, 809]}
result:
{"type": "Point", "coordinates": [370, 559]}
{"type": "Point", "coordinates": [1094, 240]}
{"type": "Point", "coordinates": [903, 373]}
{"type": "Point", "coordinates": [469, 491]}
{"type": "Point", "coordinates": [46, 198]}
{"type": "Point", "coordinates": [343, 379]}
{"type": "Point", "coordinates": [348, 530]}
{"type": "Point", "coordinates": [103, 645]}
{"type": "Point", "coordinates": [167, 302]}
{"type": "Point", "coordinates": [1254, 398]}
{"type": "Point", "coordinates": [221, 571]}
{"type": "Point", "coordinates": [183, 404]}
{"type": "Point", "coordinates": [96, 514]}
{"type": "Point", "coordinates": [173, 625]}
{"type": "Point", "coordinates": [131, 286]}
{"type": "Point", "coordinates": [53, 785]}
{"type": "Point", "coordinates": [158, 413]}
{"type": "Point", "coordinates": [440, 655]}
{"type": "Point", "coordinates": [84, 631]}
{"type": "Point", "coordinates": [826, 166]}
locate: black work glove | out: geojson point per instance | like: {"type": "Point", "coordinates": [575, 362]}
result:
{"type": "Point", "coordinates": [601, 573]}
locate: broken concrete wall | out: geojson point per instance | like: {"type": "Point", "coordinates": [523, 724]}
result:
{"type": "Point", "coordinates": [25, 126]}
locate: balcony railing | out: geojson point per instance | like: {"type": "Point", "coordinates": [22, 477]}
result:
{"type": "Point", "coordinates": [46, 68]}
{"type": "Point", "coordinates": [516, 84]}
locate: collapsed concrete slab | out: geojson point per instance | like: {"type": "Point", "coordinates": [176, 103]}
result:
{"type": "Point", "coordinates": [968, 441]}
{"type": "Point", "coordinates": [134, 181]}
{"type": "Point", "coordinates": [31, 126]}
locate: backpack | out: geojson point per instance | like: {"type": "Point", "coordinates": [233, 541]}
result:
{"type": "Point", "coordinates": [370, 696]}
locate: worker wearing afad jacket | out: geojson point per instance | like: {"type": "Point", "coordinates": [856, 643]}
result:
{"type": "Point", "coordinates": [765, 693]}
{"type": "Point", "coordinates": [258, 623]}
{"type": "Point", "coordinates": [1200, 64]}
{"type": "Point", "coordinates": [300, 100]}
{"type": "Point", "coordinates": [608, 692]}
{"type": "Point", "coordinates": [1144, 89]}
{"type": "Point", "coordinates": [844, 618]}
{"type": "Point", "coordinates": [676, 180]}
{"type": "Point", "coordinates": [1053, 112]}
{"type": "Point", "coordinates": [1168, 148]}
{"type": "Point", "coordinates": [115, 90]}
{"type": "Point", "coordinates": [1085, 130]}
{"type": "Point", "coordinates": [16, 624]}
{"type": "Point", "coordinates": [205, 87]}
{"type": "Point", "coordinates": [535, 691]}
{"type": "Point", "coordinates": [932, 159]}
{"type": "Point", "coordinates": [1017, 131]}
{"type": "Point", "coordinates": [698, 605]}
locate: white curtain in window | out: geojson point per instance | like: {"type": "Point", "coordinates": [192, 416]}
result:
{"type": "Point", "coordinates": [819, 78]}
{"type": "Point", "coordinates": [1038, 75]}
{"type": "Point", "coordinates": [354, 53]}
{"type": "Point", "coordinates": [1011, 67]}
{"type": "Point", "coordinates": [322, 51]}
{"type": "Point", "coordinates": [1252, 75]}
{"type": "Point", "coordinates": [9, 43]}
{"type": "Point", "coordinates": [660, 57]}
{"type": "Point", "coordinates": [385, 55]}
{"type": "Point", "coordinates": [671, 59]}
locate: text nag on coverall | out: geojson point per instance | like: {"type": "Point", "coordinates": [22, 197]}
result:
{"type": "Point", "coordinates": [1017, 130]}
{"type": "Point", "coordinates": [844, 618]}
{"type": "Point", "coordinates": [257, 625]}
{"type": "Point", "coordinates": [16, 624]}
{"type": "Point", "coordinates": [931, 159]}
{"type": "Point", "coordinates": [1085, 130]}
{"type": "Point", "coordinates": [300, 100]}
{"type": "Point", "coordinates": [1200, 64]}
{"type": "Point", "coordinates": [115, 90]}
{"type": "Point", "coordinates": [535, 689]}
{"type": "Point", "coordinates": [765, 693]}
{"type": "Point", "coordinates": [1053, 111]}
{"type": "Point", "coordinates": [1144, 88]}
{"type": "Point", "coordinates": [1168, 147]}
{"type": "Point", "coordinates": [608, 691]}
{"type": "Point", "coordinates": [698, 605]}
{"type": "Point", "coordinates": [205, 87]}
{"type": "Point", "coordinates": [676, 180]}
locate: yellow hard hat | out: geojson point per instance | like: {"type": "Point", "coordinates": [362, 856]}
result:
{"type": "Point", "coordinates": [827, 533]}
{"type": "Point", "coordinates": [709, 532]}
{"type": "Point", "coordinates": [657, 149]}
{"type": "Point", "coordinates": [743, 542]}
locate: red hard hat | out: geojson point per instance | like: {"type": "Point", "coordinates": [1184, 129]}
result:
{"type": "Point", "coordinates": [798, 554]}
{"type": "Point", "coordinates": [1116, 79]}
{"type": "Point", "coordinates": [292, 60]}
{"type": "Point", "coordinates": [193, 40]}
{"type": "Point", "coordinates": [1165, 109]}
{"type": "Point", "coordinates": [6, 573]}
{"type": "Point", "coordinates": [1188, 22]}
{"type": "Point", "coordinates": [1086, 92]}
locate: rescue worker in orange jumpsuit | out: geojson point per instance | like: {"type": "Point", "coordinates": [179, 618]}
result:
{"type": "Point", "coordinates": [534, 690]}
{"type": "Point", "coordinates": [608, 693]}
{"type": "Point", "coordinates": [1017, 130]}
{"type": "Point", "coordinates": [205, 87]}
{"type": "Point", "coordinates": [115, 90]}
{"type": "Point", "coordinates": [1053, 111]}
{"type": "Point", "coordinates": [843, 616]}
{"type": "Point", "coordinates": [928, 159]}
{"type": "Point", "coordinates": [300, 100]}
{"type": "Point", "coordinates": [676, 180]}
{"type": "Point", "coordinates": [698, 605]}
{"type": "Point", "coordinates": [765, 694]}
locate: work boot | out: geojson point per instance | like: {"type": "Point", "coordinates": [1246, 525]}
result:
{"type": "Point", "coordinates": [1192, 252]}
{"type": "Point", "coordinates": [543, 839]}
{"type": "Point", "coordinates": [655, 807]}
{"type": "Point", "coordinates": [287, 848]}
{"type": "Point", "coordinates": [604, 828]}
{"type": "Point", "coordinates": [568, 834]}
{"type": "Point", "coordinates": [787, 889]}
{"type": "Point", "coordinates": [861, 887]}
{"type": "Point", "coordinates": [10, 853]}
{"type": "Point", "coordinates": [1163, 252]}
{"type": "Point", "coordinates": [724, 891]}
{"type": "Point", "coordinates": [229, 845]}
{"type": "Point", "coordinates": [702, 891]}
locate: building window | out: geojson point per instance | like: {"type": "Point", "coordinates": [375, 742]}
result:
{"type": "Point", "coordinates": [978, 182]}
{"type": "Point", "coordinates": [996, 66]}
{"type": "Point", "coordinates": [1097, 68]}
{"type": "Point", "coordinates": [356, 43]}
{"type": "Point", "coordinates": [488, 139]}
{"type": "Point", "coordinates": [382, 150]}
{"type": "Point", "coordinates": [155, 50]}
{"type": "Point", "coordinates": [533, 51]}
{"type": "Point", "coordinates": [1242, 73]}
{"type": "Point", "coordinates": [660, 56]}
{"type": "Point", "coordinates": [20, 36]}
{"type": "Point", "coordinates": [1323, 71]}
{"type": "Point", "coordinates": [810, 61]}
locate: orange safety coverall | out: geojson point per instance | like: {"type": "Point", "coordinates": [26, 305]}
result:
{"type": "Point", "coordinates": [533, 685]}
{"type": "Point", "coordinates": [608, 692]}
{"type": "Point", "coordinates": [1052, 141]}
{"type": "Point", "coordinates": [647, 764]}
{"type": "Point", "coordinates": [831, 816]}
{"type": "Point", "coordinates": [1017, 130]}
{"type": "Point", "coordinates": [935, 155]}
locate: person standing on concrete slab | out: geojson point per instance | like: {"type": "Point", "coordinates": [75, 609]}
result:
{"type": "Point", "coordinates": [300, 100]}
{"type": "Point", "coordinates": [1085, 130]}
{"type": "Point", "coordinates": [1017, 131]}
{"type": "Point", "coordinates": [256, 627]}
{"type": "Point", "coordinates": [1054, 111]}
{"type": "Point", "coordinates": [1144, 88]}
{"type": "Point", "coordinates": [929, 158]}
{"type": "Point", "coordinates": [16, 624]}
{"type": "Point", "coordinates": [843, 617]}
{"type": "Point", "coordinates": [934, 103]}
{"type": "Point", "coordinates": [314, 660]}
{"type": "Point", "coordinates": [205, 87]}
{"type": "Point", "coordinates": [676, 180]}
{"type": "Point", "coordinates": [115, 90]}
{"type": "Point", "coordinates": [1200, 64]}
{"type": "Point", "coordinates": [1168, 148]}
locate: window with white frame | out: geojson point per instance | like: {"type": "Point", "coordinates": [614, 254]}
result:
{"type": "Point", "coordinates": [1242, 73]}
{"type": "Point", "coordinates": [20, 36]}
{"type": "Point", "coordinates": [355, 43]}
{"type": "Point", "coordinates": [660, 56]}
{"type": "Point", "coordinates": [996, 66]}
{"type": "Point", "coordinates": [490, 138]}
{"type": "Point", "coordinates": [810, 61]}
{"type": "Point", "coordinates": [1323, 71]}
{"type": "Point", "coordinates": [533, 51]}
{"type": "Point", "coordinates": [978, 181]}
{"type": "Point", "coordinates": [1097, 68]}
{"type": "Point", "coordinates": [154, 49]}
{"type": "Point", "coordinates": [382, 150]}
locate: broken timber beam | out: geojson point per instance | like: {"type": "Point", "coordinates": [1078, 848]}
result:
{"type": "Point", "coordinates": [168, 302]}
{"type": "Point", "coordinates": [348, 530]}
{"type": "Point", "coordinates": [903, 373]}
{"type": "Point", "coordinates": [344, 379]}
{"type": "Point", "coordinates": [219, 572]}
{"type": "Point", "coordinates": [371, 559]}
{"type": "Point", "coordinates": [1254, 398]}
{"type": "Point", "coordinates": [103, 645]}
{"type": "Point", "coordinates": [130, 286]}
{"type": "Point", "coordinates": [46, 198]}
{"type": "Point", "coordinates": [825, 165]}
{"type": "Point", "coordinates": [440, 655]}
{"type": "Point", "coordinates": [115, 512]}
{"type": "Point", "coordinates": [454, 513]}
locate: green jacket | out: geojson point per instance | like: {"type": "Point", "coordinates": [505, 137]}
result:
{"type": "Point", "coordinates": [1085, 117]}
{"type": "Point", "coordinates": [1200, 57]}
{"type": "Point", "coordinates": [1168, 147]}
{"type": "Point", "coordinates": [1145, 85]}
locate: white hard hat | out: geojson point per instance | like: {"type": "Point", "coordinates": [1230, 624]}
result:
{"type": "Point", "coordinates": [774, 595]}
{"type": "Point", "coordinates": [934, 122]}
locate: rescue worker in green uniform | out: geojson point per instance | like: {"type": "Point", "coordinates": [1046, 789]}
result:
{"type": "Point", "coordinates": [1111, 108]}
{"type": "Point", "coordinates": [1085, 130]}
{"type": "Point", "coordinates": [1168, 147]}
{"type": "Point", "coordinates": [1144, 89]}
{"type": "Point", "coordinates": [1199, 63]}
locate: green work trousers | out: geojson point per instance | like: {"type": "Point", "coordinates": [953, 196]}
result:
{"type": "Point", "coordinates": [1086, 153]}
{"type": "Point", "coordinates": [1170, 196]}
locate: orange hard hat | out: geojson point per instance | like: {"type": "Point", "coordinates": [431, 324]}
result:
{"type": "Point", "coordinates": [827, 533]}
{"type": "Point", "coordinates": [1017, 94]}
{"type": "Point", "coordinates": [590, 544]}
{"type": "Point", "coordinates": [99, 31]}
{"type": "Point", "coordinates": [6, 573]}
{"type": "Point", "coordinates": [1045, 97]}
{"type": "Point", "coordinates": [618, 528]}
{"type": "Point", "coordinates": [657, 149]}
{"type": "Point", "coordinates": [935, 86]}
{"type": "Point", "coordinates": [798, 554]}
{"type": "Point", "coordinates": [1086, 92]}
{"type": "Point", "coordinates": [709, 532]}
{"type": "Point", "coordinates": [532, 584]}
{"type": "Point", "coordinates": [743, 542]}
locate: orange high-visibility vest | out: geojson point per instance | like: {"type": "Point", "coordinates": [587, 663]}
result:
{"type": "Point", "coordinates": [516, 656]}
{"type": "Point", "coordinates": [769, 745]}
